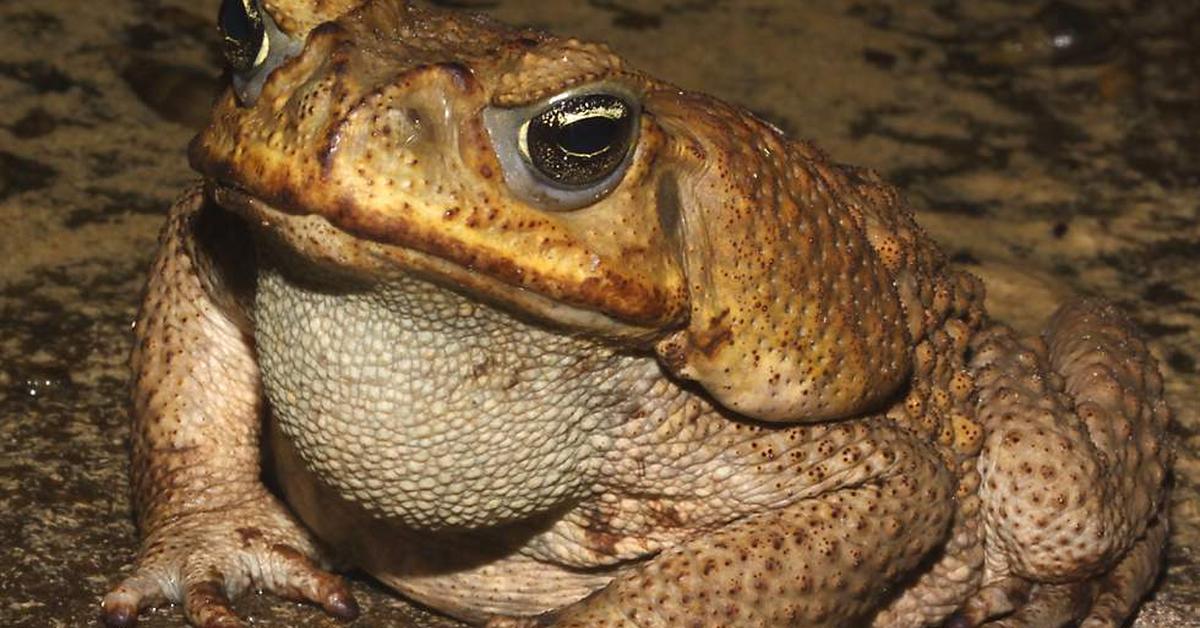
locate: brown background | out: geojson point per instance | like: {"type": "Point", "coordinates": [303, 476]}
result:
{"type": "Point", "coordinates": [1048, 170]}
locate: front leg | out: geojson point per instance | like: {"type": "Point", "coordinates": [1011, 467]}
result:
{"type": "Point", "coordinates": [209, 527]}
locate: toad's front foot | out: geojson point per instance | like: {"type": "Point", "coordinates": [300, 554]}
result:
{"type": "Point", "coordinates": [201, 560]}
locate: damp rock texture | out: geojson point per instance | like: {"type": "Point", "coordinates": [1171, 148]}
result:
{"type": "Point", "coordinates": [1052, 147]}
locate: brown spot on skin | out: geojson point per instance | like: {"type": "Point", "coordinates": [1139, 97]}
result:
{"type": "Point", "coordinates": [602, 542]}
{"type": "Point", "coordinates": [249, 535]}
{"type": "Point", "coordinates": [207, 593]}
{"type": "Point", "coordinates": [667, 516]}
{"type": "Point", "coordinates": [289, 552]}
{"type": "Point", "coordinates": [714, 336]}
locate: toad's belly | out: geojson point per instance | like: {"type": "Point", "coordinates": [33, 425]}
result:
{"type": "Point", "coordinates": [469, 575]}
{"type": "Point", "coordinates": [425, 407]}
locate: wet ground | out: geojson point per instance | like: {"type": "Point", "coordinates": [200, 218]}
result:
{"type": "Point", "coordinates": [1052, 147]}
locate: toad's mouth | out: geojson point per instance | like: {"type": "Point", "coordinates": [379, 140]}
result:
{"type": "Point", "coordinates": [317, 239]}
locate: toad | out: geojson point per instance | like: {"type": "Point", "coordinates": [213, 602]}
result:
{"type": "Point", "coordinates": [537, 339]}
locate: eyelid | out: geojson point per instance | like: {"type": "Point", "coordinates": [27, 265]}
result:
{"type": "Point", "coordinates": [611, 112]}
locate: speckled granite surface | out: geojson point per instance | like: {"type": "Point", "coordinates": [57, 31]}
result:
{"type": "Point", "coordinates": [1048, 170]}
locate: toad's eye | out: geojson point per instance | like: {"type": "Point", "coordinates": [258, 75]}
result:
{"type": "Point", "coordinates": [243, 34]}
{"type": "Point", "coordinates": [254, 45]}
{"type": "Point", "coordinates": [569, 150]}
{"type": "Point", "coordinates": [578, 141]}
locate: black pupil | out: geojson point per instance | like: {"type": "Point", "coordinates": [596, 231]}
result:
{"type": "Point", "coordinates": [241, 28]}
{"type": "Point", "coordinates": [589, 136]}
{"type": "Point", "coordinates": [579, 141]}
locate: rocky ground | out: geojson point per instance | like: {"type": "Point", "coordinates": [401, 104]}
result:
{"type": "Point", "coordinates": [1054, 148]}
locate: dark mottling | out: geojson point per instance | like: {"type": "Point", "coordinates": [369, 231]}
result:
{"type": "Point", "coordinates": [876, 14]}
{"type": "Point", "coordinates": [777, 120]}
{"type": "Point", "coordinates": [1182, 249]}
{"type": "Point", "coordinates": [1159, 330]}
{"type": "Point", "coordinates": [1181, 362]}
{"type": "Point", "coordinates": [180, 94]}
{"type": "Point", "coordinates": [39, 75]}
{"type": "Point", "coordinates": [965, 257]}
{"type": "Point", "coordinates": [1064, 270]}
{"type": "Point", "coordinates": [961, 207]}
{"type": "Point", "coordinates": [637, 20]}
{"type": "Point", "coordinates": [35, 24]}
{"type": "Point", "coordinates": [18, 174]}
{"type": "Point", "coordinates": [628, 17]}
{"type": "Point", "coordinates": [879, 58]}
{"type": "Point", "coordinates": [109, 204]}
{"type": "Point", "coordinates": [145, 35]}
{"type": "Point", "coordinates": [35, 123]}
{"type": "Point", "coordinates": [1161, 293]}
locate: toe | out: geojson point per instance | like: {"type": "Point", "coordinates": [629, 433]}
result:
{"type": "Point", "coordinates": [207, 605]}
{"type": "Point", "coordinates": [121, 606]}
{"type": "Point", "coordinates": [299, 578]}
{"type": "Point", "coordinates": [998, 598]}
{"type": "Point", "coordinates": [341, 604]}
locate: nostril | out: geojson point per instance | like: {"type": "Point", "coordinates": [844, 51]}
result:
{"type": "Point", "coordinates": [414, 118]}
{"type": "Point", "coordinates": [408, 126]}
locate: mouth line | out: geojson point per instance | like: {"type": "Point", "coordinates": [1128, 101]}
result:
{"type": "Point", "coordinates": [478, 286]}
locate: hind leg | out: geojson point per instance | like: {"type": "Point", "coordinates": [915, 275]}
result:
{"type": "Point", "coordinates": [1122, 588]}
{"type": "Point", "coordinates": [1072, 470]}
{"type": "Point", "coordinates": [1103, 602]}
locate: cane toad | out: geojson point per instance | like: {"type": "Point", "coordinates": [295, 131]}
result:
{"type": "Point", "coordinates": [535, 338]}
